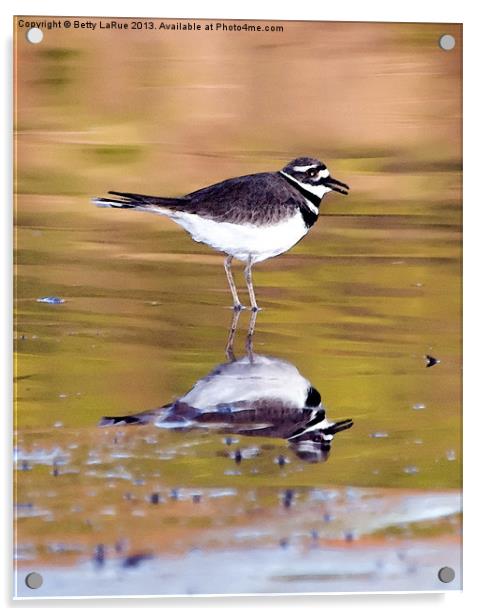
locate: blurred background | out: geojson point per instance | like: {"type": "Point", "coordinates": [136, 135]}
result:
{"type": "Point", "coordinates": [355, 308]}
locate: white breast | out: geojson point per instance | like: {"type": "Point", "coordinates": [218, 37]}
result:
{"type": "Point", "coordinates": [244, 241]}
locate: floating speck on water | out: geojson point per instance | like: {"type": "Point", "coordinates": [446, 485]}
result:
{"type": "Point", "coordinates": [232, 472]}
{"type": "Point", "coordinates": [323, 495]}
{"type": "Point", "coordinates": [135, 559]}
{"type": "Point", "coordinates": [121, 454]}
{"type": "Point", "coordinates": [108, 511]}
{"type": "Point", "coordinates": [63, 395]}
{"type": "Point", "coordinates": [450, 455]}
{"type": "Point", "coordinates": [59, 424]}
{"type": "Point", "coordinates": [353, 494]}
{"type": "Point", "coordinates": [120, 546]}
{"type": "Point", "coordinates": [379, 434]}
{"type": "Point", "coordinates": [63, 548]}
{"type": "Point", "coordinates": [417, 441]}
{"type": "Point", "coordinates": [154, 498]}
{"type": "Point", "coordinates": [93, 458]}
{"type": "Point", "coordinates": [150, 440]}
{"type": "Point", "coordinates": [411, 470]}
{"type": "Point", "coordinates": [431, 361]}
{"type": "Point", "coordinates": [349, 536]}
{"type": "Point", "coordinates": [419, 406]}
{"type": "Point", "coordinates": [375, 471]}
{"type": "Point", "coordinates": [51, 299]}
{"type": "Point", "coordinates": [99, 555]}
{"type": "Point", "coordinates": [288, 498]}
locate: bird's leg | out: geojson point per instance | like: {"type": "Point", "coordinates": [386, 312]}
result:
{"type": "Point", "coordinates": [227, 267]}
{"type": "Point", "coordinates": [249, 284]}
{"type": "Point", "coordinates": [232, 333]}
{"type": "Point", "coordinates": [250, 334]}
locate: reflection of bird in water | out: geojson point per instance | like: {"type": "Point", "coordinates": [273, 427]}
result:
{"type": "Point", "coordinates": [250, 218]}
{"type": "Point", "coordinates": [255, 395]}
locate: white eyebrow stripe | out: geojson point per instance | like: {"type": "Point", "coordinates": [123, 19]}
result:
{"type": "Point", "coordinates": [322, 173]}
{"type": "Point", "coordinates": [305, 168]}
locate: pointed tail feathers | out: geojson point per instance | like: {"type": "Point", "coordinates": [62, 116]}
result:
{"type": "Point", "coordinates": [140, 419]}
{"type": "Point", "coordinates": [125, 200]}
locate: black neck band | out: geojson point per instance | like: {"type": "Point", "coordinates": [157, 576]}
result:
{"type": "Point", "coordinates": [309, 216]}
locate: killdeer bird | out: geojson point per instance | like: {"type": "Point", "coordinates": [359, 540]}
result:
{"type": "Point", "coordinates": [250, 218]}
{"type": "Point", "coordinates": [255, 395]}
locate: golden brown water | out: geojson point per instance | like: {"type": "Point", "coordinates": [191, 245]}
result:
{"type": "Point", "coordinates": [355, 307]}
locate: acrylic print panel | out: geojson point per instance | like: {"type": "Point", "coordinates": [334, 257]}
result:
{"type": "Point", "coordinates": [166, 444]}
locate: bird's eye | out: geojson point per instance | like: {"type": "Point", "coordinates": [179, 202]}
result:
{"type": "Point", "coordinates": [312, 173]}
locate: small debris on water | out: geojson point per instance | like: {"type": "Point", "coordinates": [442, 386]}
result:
{"type": "Point", "coordinates": [135, 559]}
{"type": "Point", "coordinates": [431, 361]}
{"type": "Point", "coordinates": [379, 434]}
{"type": "Point", "coordinates": [155, 498]}
{"type": "Point", "coordinates": [99, 555]}
{"type": "Point", "coordinates": [51, 299]}
{"type": "Point", "coordinates": [419, 406]}
{"type": "Point", "coordinates": [229, 440]}
{"type": "Point", "coordinates": [288, 498]}
{"type": "Point", "coordinates": [120, 546]}
{"type": "Point", "coordinates": [411, 470]}
{"type": "Point", "coordinates": [450, 455]}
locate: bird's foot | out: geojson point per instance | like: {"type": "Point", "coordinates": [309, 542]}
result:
{"type": "Point", "coordinates": [238, 307]}
{"type": "Point", "coordinates": [256, 309]}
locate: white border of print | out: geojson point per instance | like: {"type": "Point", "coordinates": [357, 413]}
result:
{"type": "Point", "coordinates": [466, 11]}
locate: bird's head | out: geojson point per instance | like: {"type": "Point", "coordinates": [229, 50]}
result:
{"type": "Point", "coordinates": [312, 175]}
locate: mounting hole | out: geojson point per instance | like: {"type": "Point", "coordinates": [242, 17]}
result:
{"type": "Point", "coordinates": [447, 42]}
{"type": "Point", "coordinates": [35, 35]}
{"type": "Point", "coordinates": [34, 580]}
{"type": "Point", "coordinates": [446, 575]}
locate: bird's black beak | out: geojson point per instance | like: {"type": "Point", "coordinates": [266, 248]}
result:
{"type": "Point", "coordinates": [336, 185]}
